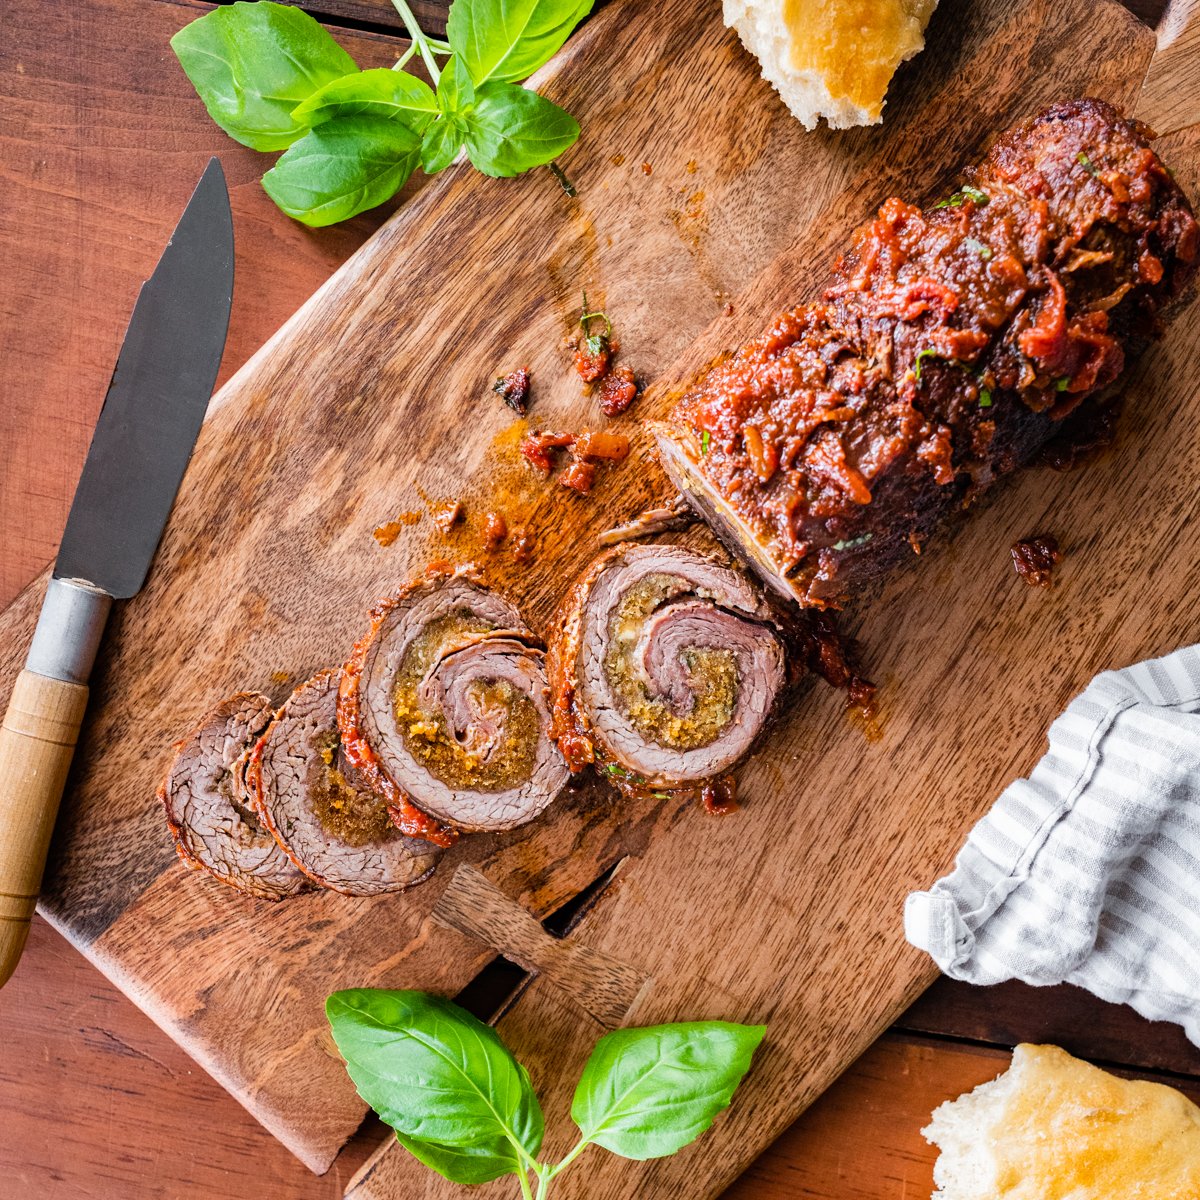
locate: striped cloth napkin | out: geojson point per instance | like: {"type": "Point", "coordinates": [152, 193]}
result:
{"type": "Point", "coordinates": [1088, 872]}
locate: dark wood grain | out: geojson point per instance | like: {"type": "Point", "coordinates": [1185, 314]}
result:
{"type": "Point", "coordinates": [382, 14]}
{"type": "Point", "coordinates": [1066, 1016]}
{"type": "Point", "coordinates": [103, 140]}
{"type": "Point", "coordinates": [96, 1101]}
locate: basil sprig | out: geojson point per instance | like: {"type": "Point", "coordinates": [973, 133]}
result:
{"type": "Point", "coordinates": [274, 79]}
{"type": "Point", "coordinates": [462, 1104]}
{"type": "Point", "coordinates": [252, 64]}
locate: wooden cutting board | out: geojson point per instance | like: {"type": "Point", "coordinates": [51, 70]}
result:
{"type": "Point", "coordinates": [702, 209]}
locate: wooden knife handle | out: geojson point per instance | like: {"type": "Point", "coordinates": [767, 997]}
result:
{"type": "Point", "coordinates": [37, 741]}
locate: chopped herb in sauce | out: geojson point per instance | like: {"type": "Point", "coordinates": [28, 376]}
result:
{"type": "Point", "coordinates": [613, 769]}
{"type": "Point", "coordinates": [1061, 385]}
{"type": "Point", "coordinates": [985, 398]}
{"type": "Point", "coordinates": [981, 248]}
{"type": "Point", "coordinates": [1086, 163]}
{"type": "Point", "coordinates": [928, 352]}
{"type": "Point", "coordinates": [967, 193]}
{"type": "Point", "coordinates": [705, 439]}
{"type": "Point", "coordinates": [597, 343]}
{"type": "Point", "coordinates": [852, 542]}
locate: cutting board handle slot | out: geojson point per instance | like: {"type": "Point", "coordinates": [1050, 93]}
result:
{"type": "Point", "coordinates": [604, 987]}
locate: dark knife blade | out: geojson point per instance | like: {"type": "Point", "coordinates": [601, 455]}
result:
{"type": "Point", "coordinates": [156, 401]}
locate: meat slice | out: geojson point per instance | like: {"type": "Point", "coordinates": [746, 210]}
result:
{"type": "Point", "coordinates": [944, 353]}
{"type": "Point", "coordinates": [664, 667]}
{"type": "Point", "coordinates": [444, 709]}
{"type": "Point", "coordinates": [334, 827]}
{"type": "Point", "coordinates": [211, 815]}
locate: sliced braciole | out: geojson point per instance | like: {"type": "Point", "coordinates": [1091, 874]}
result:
{"type": "Point", "coordinates": [332, 824]}
{"type": "Point", "coordinates": [210, 814]}
{"type": "Point", "coordinates": [444, 709]}
{"type": "Point", "coordinates": [664, 667]}
{"type": "Point", "coordinates": [950, 345]}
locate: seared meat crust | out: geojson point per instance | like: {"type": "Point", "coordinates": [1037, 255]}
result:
{"type": "Point", "coordinates": [210, 812]}
{"type": "Point", "coordinates": [943, 354]}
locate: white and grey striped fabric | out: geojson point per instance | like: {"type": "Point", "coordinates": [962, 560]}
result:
{"type": "Point", "coordinates": [1088, 871]}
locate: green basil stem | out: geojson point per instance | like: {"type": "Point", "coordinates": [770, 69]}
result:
{"type": "Point", "coordinates": [398, 65]}
{"type": "Point", "coordinates": [526, 1191]}
{"type": "Point", "coordinates": [580, 1147]}
{"type": "Point", "coordinates": [423, 44]}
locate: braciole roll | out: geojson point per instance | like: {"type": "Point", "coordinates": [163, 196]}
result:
{"type": "Point", "coordinates": [664, 668]}
{"type": "Point", "coordinates": [949, 346]}
{"type": "Point", "coordinates": [443, 710]}
{"type": "Point", "coordinates": [335, 827]}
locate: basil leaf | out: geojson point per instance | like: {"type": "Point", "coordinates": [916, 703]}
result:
{"type": "Point", "coordinates": [444, 139]}
{"type": "Point", "coordinates": [646, 1093]}
{"type": "Point", "coordinates": [507, 40]}
{"type": "Point", "coordinates": [455, 91]}
{"type": "Point", "coordinates": [433, 1072]}
{"type": "Point", "coordinates": [378, 93]}
{"type": "Point", "coordinates": [252, 64]}
{"type": "Point", "coordinates": [477, 1163]}
{"type": "Point", "coordinates": [343, 167]}
{"type": "Point", "coordinates": [512, 129]}
{"type": "Point", "coordinates": [442, 142]}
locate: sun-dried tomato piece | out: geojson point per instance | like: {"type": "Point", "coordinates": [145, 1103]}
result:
{"type": "Point", "coordinates": [602, 444]}
{"type": "Point", "coordinates": [592, 358]}
{"type": "Point", "coordinates": [513, 389]}
{"type": "Point", "coordinates": [537, 447]}
{"type": "Point", "coordinates": [579, 476]}
{"type": "Point", "coordinates": [1035, 559]}
{"type": "Point", "coordinates": [495, 529]}
{"type": "Point", "coordinates": [618, 391]}
{"type": "Point", "coordinates": [448, 514]}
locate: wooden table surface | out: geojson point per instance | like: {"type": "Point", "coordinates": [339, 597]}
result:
{"type": "Point", "coordinates": [100, 144]}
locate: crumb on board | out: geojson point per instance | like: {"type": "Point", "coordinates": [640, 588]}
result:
{"type": "Point", "coordinates": [495, 530]}
{"type": "Point", "coordinates": [513, 389]}
{"type": "Point", "coordinates": [719, 796]}
{"type": "Point", "coordinates": [447, 514]}
{"type": "Point", "coordinates": [1034, 559]}
{"type": "Point", "coordinates": [388, 532]}
{"type": "Point", "coordinates": [522, 547]}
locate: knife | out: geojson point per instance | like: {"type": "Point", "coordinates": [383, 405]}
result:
{"type": "Point", "coordinates": [144, 437]}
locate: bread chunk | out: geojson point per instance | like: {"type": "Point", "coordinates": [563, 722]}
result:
{"type": "Point", "coordinates": [1055, 1128]}
{"type": "Point", "coordinates": [831, 58]}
